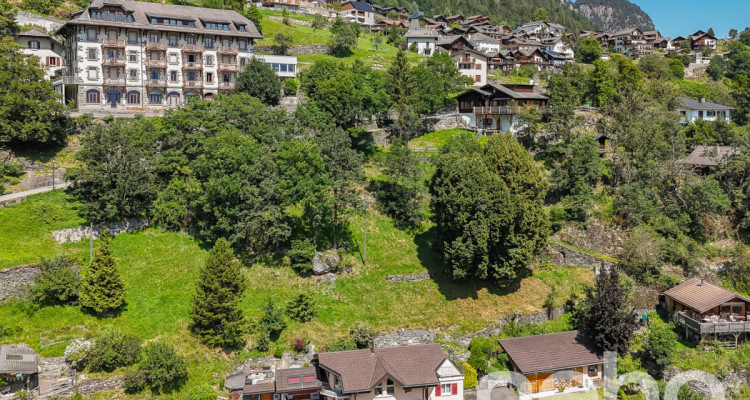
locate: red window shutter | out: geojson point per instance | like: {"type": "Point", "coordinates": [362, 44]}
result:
{"type": "Point", "coordinates": [454, 388]}
{"type": "Point", "coordinates": [437, 390]}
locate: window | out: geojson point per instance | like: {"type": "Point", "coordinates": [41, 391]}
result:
{"type": "Point", "coordinates": [379, 389]}
{"type": "Point", "coordinates": [34, 45]}
{"type": "Point", "coordinates": [133, 37]}
{"type": "Point", "coordinates": [191, 76]}
{"type": "Point", "coordinates": [294, 380]}
{"type": "Point", "coordinates": [275, 67]}
{"type": "Point", "coordinates": [93, 96]}
{"type": "Point", "coordinates": [53, 61]}
{"type": "Point", "coordinates": [241, 28]}
{"type": "Point", "coordinates": [154, 21]}
{"type": "Point", "coordinates": [209, 60]}
{"type": "Point", "coordinates": [154, 98]}
{"type": "Point", "coordinates": [154, 74]}
{"type": "Point", "coordinates": [308, 378]}
{"type": "Point", "coordinates": [592, 369]}
{"type": "Point", "coordinates": [191, 39]}
{"type": "Point", "coordinates": [133, 74]}
{"type": "Point", "coordinates": [153, 37]}
{"type": "Point", "coordinates": [209, 43]}
{"type": "Point", "coordinates": [191, 24]}
{"type": "Point", "coordinates": [91, 34]}
{"type": "Point", "coordinates": [209, 77]}
{"type": "Point", "coordinates": [283, 67]}
{"type": "Point", "coordinates": [133, 57]}
{"type": "Point", "coordinates": [446, 389]}
{"type": "Point", "coordinates": [242, 61]}
{"type": "Point", "coordinates": [191, 58]}
{"type": "Point", "coordinates": [173, 40]}
{"type": "Point", "coordinates": [173, 76]}
{"type": "Point", "coordinates": [93, 75]}
{"type": "Point", "coordinates": [226, 78]}
{"type": "Point", "coordinates": [291, 67]}
{"type": "Point", "coordinates": [389, 387]}
{"type": "Point", "coordinates": [134, 97]}
{"type": "Point", "coordinates": [243, 44]}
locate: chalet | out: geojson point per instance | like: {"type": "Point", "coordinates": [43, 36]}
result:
{"type": "Point", "coordinates": [495, 107]}
{"type": "Point", "coordinates": [522, 44]}
{"type": "Point", "coordinates": [558, 46]}
{"type": "Point", "coordinates": [357, 11]}
{"type": "Point", "coordinates": [298, 383]}
{"type": "Point", "coordinates": [664, 43]}
{"type": "Point", "coordinates": [651, 36]}
{"type": "Point", "coordinates": [542, 29]}
{"type": "Point", "coordinates": [441, 18]}
{"type": "Point", "coordinates": [495, 32]}
{"type": "Point", "coordinates": [480, 19]}
{"type": "Point", "coordinates": [416, 372]}
{"type": "Point", "coordinates": [707, 311]}
{"type": "Point", "coordinates": [421, 39]}
{"type": "Point", "coordinates": [45, 48]}
{"type": "Point", "coordinates": [631, 43]}
{"type": "Point", "coordinates": [453, 44]}
{"type": "Point", "coordinates": [472, 64]}
{"type": "Point", "coordinates": [703, 158]}
{"type": "Point", "coordinates": [700, 41]}
{"type": "Point", "coordinates": [484, 43]}
{"type": "Point", "coordinates": [533, 58]}
{"type": "Point", "coordinates": [455, 18]}
{"type": "Point", "coordinates": [693, 110]}
{"type": "Point", "coordinates": [565, 362]}
{"type": "Point", "coordinates": [19, 368]}
{"type": "Point", "coordinates": [264, 384]}
{"type": "Point", "coordinates": [254, 384]}
{"type": "Point", "coordinates": [403, 12]}
{"type": "Point", "coordinates": [502, 60]}
{"type": "Point", "coordinates": [678, 41]}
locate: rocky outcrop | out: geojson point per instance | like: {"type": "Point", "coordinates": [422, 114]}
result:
{"type": "Point", "coordinates": [15, 282]}
{"type": "Point", "coordinates": [615, 15]}
{"type": "Point", "coordinates": [422, 276]}
{"type": "Point", "coordinates": [327, 278]}
{"type": "Point", "coordinates": [403, 337]}
{"type": "Point", "coordinates": [74, 235]}
{"type": "Point", "coordinates": [324, 263]}
{"type": "Point", "coordinates": [597, 237]}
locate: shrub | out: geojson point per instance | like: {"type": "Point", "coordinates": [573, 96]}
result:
{"type": "Point", "coordinates": [298, 345]}
{"type": "Point", "coordinates": [278, 352]}
{"type": "Point", "coordinates": [470, 377]}
{"type": "Point", "coordinates": [202, 392]}
{"type": "Point", "coordinates": [135, 382]}
{"type": "Point", "coordinates": [272, 320]}
{"type": "Point", "coordinates": [341, 345]}
{"type": "Point", "coordinates": [264, 340]}
{"type": "Point", "coordinates": [302, 308]}
{"type": "Point", "coordinates": [114, 349]}
{"type": "Point", "coordinates": [361, 335]}
{"type": "Point", "coordinates": [301, 255]}
{"type": "Point", "coordinates": [662, 344]}
{"type": "Point", "coordinates": [165, 370]}
{"type": "Point", "coordinates": [58, 283]}
{"type": "Point", "coordinates": [290, 87]}
{"type": "Point", "coordinates": [483, 352]}
{"type": "Point", "coordinates": [77, 353]}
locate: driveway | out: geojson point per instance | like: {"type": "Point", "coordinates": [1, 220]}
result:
{"type": "Point", "coordinates": [498, 393]}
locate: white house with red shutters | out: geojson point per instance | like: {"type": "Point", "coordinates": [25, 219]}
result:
{"type": "Point", "coordinates": [48, 50]}
{"type": "Point", "coordinates": [472, 64]}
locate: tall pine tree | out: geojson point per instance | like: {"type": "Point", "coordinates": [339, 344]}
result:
{"type": "Point", "coordinates": [216, 317]}
{"type": "Point", "coordinates": [608, 321]}
{"type": "Point", "coordinates": [102, 288]}
{"type": "Point", "coordinates": [402, 89]}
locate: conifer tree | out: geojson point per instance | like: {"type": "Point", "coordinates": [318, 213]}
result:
{"type": "Point", "coordinates": [216, 318]}
{"type": "Point", "coordinates": [302, 308]}
{"type": "Point", "coordinates": [103, 289]}
{"type": "Point", "coordinates": [608, 321]}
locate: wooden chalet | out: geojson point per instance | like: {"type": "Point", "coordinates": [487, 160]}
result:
{"type": "Point", "coordinates": [567, 360]}
{"type": "Point", "coordinates": [453, 44]}
{"type": "Point", "coordinates": [708, 311]}
{"type": "Point", "coordinates": [495, 107]}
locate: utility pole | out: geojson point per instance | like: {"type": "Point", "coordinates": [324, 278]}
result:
{"type": "Point", "coordinates": [364, 251]}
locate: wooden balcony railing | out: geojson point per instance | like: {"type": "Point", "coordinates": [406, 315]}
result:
{"type": "Point", "coordinates": [116, 43]}
{"type": "Point", "coordinates": [708, 328]}
{"type": "Point", "coordinates": [228, 67]}
{"type": "Point", "coordinates": [192, 48]}
{"type": "Point", "coordinates": [227, 50]}
{"type": "Point", "coordinates": [157, 46]}
{"type": "Point", "coordinates": [509, 110]}
{"type": "Point", "coordinates": [156, 63]}
{"type": "Point", "coordinates": [113, 62]}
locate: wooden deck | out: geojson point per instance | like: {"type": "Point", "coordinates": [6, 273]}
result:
{"type": "Point", "coordinates": [711, 328]}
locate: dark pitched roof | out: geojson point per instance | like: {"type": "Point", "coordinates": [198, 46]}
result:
{"type": "Point", "coordinates": [481, 37]}
{"type": "Point", "coordinates": [143, 11]}
{"type": "Point", "coordinates": [517, 95]}
{"type": "Point", "coordinates": [361, 6]}
{"type": "Point", "coordinates": [705, 105]}
{"type": "Point", "coordinates": [700, 295]}
{"type": "Point", "coordinates": [362, 370]}
{"type": "Point", "coordinates": [34, 32]}
{"type": "Point", "coordinates": [707, 156]}
{"type": "Point", "coordinates": [297, 379]}
{"type": "Point", "coordinates": [551, 352]}
{"type": "Point", "coordinates": [18, 359]}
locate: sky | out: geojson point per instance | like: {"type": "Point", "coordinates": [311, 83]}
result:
{"type": "Point", "coordinates": [683, 17]}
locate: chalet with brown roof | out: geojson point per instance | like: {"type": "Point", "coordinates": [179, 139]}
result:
{"type": "Point", "coordinates": [495, 107]}
{"type": "Point", "coordinates": [453, 44]}
{"type": "Point", "coordinates": [703, 158]}
{"type": "Point", "coordinates": [700, 41]}
{"type": "Point", "coordinates": [567, 360]}
{"type": "Point", "coordinates": [708, 311]}
{"type": "Point", "coordinates": [416, 372]}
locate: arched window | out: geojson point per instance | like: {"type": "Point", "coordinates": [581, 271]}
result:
{"type": "Point", "coordinates": [154, 98]}
{"type": "Point", "coordinates": [134, 97]}
{"type": "Point", "coordinates": [93, 96]}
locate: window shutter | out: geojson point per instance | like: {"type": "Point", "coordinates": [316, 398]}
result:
{"type": "Point", "coordinates": [454, 388]}
{"type": "Point", "coordinates": [437, 390]}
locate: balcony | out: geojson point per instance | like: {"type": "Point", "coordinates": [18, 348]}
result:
{"type": "Point", "coordinates": [192, 48]}
{"type": "Point", "coordinates": [228, 67]}
{"type": "Point", "coordinates": [192, 65]}
{"type": "Point", "coordinates": [227, 50]}
{"type": "Point", "coordinates": [162, 64]}
{"type": "Point", "coordinates": [712, 328]}
{"type": "Point", "coordinates": [114, 81]}
{"type": "Point", "coordinates": [192, 85]}
{"type": "Point", "coordinates": [156, 83]}
{"type": "Point", "coordinates": [113, 43]}
{"type": "Point", "coordinates": [508, 110]}
{"type": "Point", "coordinates": [226, 85]}
{"type": "Point", "coordinates": [113, 62]}
{"type": "Point", "coordinates": [156, 46]}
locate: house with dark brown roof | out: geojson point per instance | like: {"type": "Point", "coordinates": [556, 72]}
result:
{"type": "Point", "coordinates": [567, 360]}
{"type": "Point", "coordinates": [708, 311]}
{"type": "Point", "coordinates": [495, 108]}
{"type": "Point", "coordinates": [703, 158]}
{"type": "Point", "coordinates": [416, 372]}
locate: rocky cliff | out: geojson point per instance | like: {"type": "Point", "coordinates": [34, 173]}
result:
{"type": "Point", "coordinates": [615, 15]}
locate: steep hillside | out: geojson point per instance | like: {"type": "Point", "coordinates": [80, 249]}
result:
{"type": "Point", "coordinates": [509, 12]}
{"type": "Point", "coordinates": [614, 15]}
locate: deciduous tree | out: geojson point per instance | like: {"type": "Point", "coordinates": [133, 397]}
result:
{"type": "Point", "coordinates": [258, 80]}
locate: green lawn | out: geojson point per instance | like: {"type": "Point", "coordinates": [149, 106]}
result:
{"type": "Point", "coordinates": [25, 228]}
{"type": "Point", "coordinates": [160, 269]}
{"type": "Point", "coordinates": [437, 139]}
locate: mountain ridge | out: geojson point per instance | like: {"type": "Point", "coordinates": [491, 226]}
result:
{"type": "Point", "coordinates": [615, 15]}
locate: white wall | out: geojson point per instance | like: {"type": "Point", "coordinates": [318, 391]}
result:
{"type": "Point", "coordinates": [425, 46]}
{"type": "Point", "coordinates": [47, 48]}
{"type": "Point", "coordinates": [475, 67]}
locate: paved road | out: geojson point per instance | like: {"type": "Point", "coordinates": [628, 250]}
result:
{"type": "Point", "coordinates": [26, 193]}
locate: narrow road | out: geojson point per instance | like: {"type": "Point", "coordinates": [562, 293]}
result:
{"type": "Point", "coordinates": [26, 193]}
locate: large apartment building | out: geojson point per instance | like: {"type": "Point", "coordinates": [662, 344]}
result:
{"type": "Point", "coordinates": [139, 56]}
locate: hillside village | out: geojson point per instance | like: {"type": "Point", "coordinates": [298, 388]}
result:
{"type": "Point", "coordinates": [303, 200]}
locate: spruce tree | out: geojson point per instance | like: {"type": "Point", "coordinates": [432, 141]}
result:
{"type": "Point", "coordinates": [216, 318]}
{"type": "Point", "coordinates": [102, 288]}
{"type": "Point", "coordinates": [302, 308]}
{"type": "Point", "coordinates": [608, 321]}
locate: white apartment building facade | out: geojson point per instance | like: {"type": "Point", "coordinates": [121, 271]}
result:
{"type": "Point", "coordinates": [48, 50]}
{"type": "Point", "coordinates": [138, 56]}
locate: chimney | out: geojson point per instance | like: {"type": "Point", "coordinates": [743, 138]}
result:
{"type": "Point", "coordinates": [372, 344]}
{"type": "Point", "coordinates": [701, 285]}
{"type": "Point", "coordinates": [703, 99]}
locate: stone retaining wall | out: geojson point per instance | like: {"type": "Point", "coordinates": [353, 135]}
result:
{"type": "Point", "coordinates": [291, 20]}
{"type": "Point", "coordinates": [74, 235]}
{"type": "Point", "coordinates": [564, 256]}
{"type": "Point", "coordinates": [15, 282]}
{"type": "Point", "coordinates": [296, 50]}
{"type": "Point", "coordinates": [403, 337]}
{"type": "Point", "coordinates": [99, 385]}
